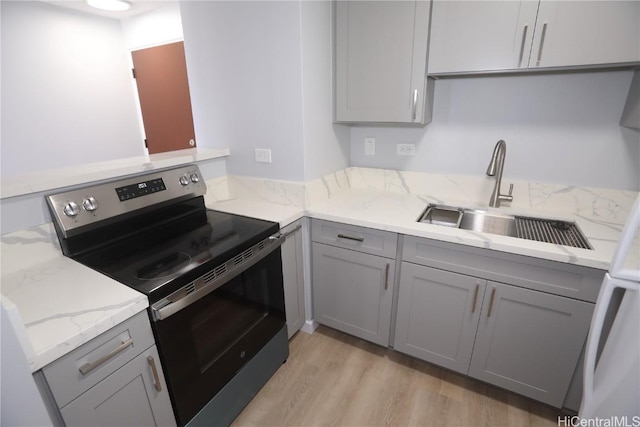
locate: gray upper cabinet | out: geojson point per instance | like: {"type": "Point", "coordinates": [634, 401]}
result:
{"type": "Point", "coordinates": [576, 33]}
{"type": "Point", "coordinates": [438, 315]}
{"type": "Point", "coordinates": [381, 60]}
{"type": "Point", "coordinates": [293, 278]}
{"type": "Point", "coordinates": [353, 270]}
{"type": "Point", "coordinates": [529, 342]}
{"type": "Point", "coordinates": [473, 36]}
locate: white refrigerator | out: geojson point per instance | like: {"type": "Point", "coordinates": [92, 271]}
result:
{"type": "Point", "coordinates": [612, 385]}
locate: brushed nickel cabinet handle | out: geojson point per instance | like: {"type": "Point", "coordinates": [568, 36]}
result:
{"type": "Point", "coordinates": [493, 294]}
{"type": "Point", "coordinates": [415, 104]}
{"type": "Point", "coordinates": [544, 33]}
{"type": "Point", "coordinates": [475, 298]}
{"type": "Point", "coordinates": [386, 277]}
{"type": "Point", "coordinates": [355, 239]}
{"type": "Point", "coordinates": [524, 37]}
{"type": "Point", "coordinates": [154, 370]}
{"type": "Point", "coordinates": [88, 367]}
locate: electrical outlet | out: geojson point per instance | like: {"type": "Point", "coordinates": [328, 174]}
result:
{"type": "Point", "coordinates": [263, 155]}
{"type": "Point", "coordinates": [406, 149]}
{"type": "Point", "coordinates": [369, 146]}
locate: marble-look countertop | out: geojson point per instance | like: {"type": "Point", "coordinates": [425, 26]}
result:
{"type": "Point", "coordinates": [35, 182]}
{"type": "Point", "coordinates": [399, 212]}
{"type": "Point", "coordinates": [393, 201]}
{"type": "Point", "coordinates": [282, 214]}
{"type": "Point", "coordinates": [61, 303]}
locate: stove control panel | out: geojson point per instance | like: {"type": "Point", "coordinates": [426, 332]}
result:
{"type": "Point", "coordinates": [77, 209]}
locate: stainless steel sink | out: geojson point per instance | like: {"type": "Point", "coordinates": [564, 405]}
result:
{"type": "Point", "coordinates": [486, 222]}
{"type": "Point", "coordinates": [539, 229]}
{"type": "Point", "coordinates": [446, 216]}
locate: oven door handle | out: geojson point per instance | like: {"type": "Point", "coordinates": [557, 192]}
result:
{"type": "Point", "coordinates": [201, 287]}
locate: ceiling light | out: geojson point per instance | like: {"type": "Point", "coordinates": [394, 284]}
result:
{"type": "Point", "coordinates": [112, 5]}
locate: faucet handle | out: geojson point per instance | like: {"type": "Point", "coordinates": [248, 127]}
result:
{"type": "Point", "coordinates": [507, 197]}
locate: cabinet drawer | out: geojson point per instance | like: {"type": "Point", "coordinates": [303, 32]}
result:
{"type": "Point", "coordinates": [553, 277]}
{"type": "Point", "coordinates": [368, 240]}
{"type": "Point", "coordinates": [98, 358]}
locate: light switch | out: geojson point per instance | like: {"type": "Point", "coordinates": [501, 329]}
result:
{"type": "Point", "coordinates": [369, 146]}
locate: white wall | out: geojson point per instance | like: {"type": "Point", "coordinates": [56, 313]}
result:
{"type": "Point", "coordinates": [244, 62]}
{"type": "Point", "coordinates": [561, 128]}
{"type": "Point", "coordinates": [66, 94]}
{"type": "Point", "coordinates": [158, 26]}
{"type": "Point", "coordinates": [260, 77]}
{"type": "Point", "coordinates": [326, 145]}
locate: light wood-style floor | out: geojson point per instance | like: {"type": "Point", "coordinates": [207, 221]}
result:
{"type": "Point", "coordinates": [333, 379]}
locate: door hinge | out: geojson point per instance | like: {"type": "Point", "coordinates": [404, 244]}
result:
{"type": "Point", "coordinates": [133, 72]}
{"type": "Point", "coordinates": [145, 144]}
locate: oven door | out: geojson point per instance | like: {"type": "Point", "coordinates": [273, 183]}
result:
{"type": "Point", "coordinates": [205, 343]}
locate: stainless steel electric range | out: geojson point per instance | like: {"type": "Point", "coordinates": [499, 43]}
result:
{"type": "Point", "coordinates": [213, 279]}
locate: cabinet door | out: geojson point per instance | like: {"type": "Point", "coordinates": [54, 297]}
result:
{"type": "Point", "coordinates": [126, 397]}
{"type": "Point", "coordinates": [480, 35]}
{"type": "Point", "coordinates": [437, 315]}
{"type": "Point", "coordinates": [353, 291]}
{"type": "Point", "coordinates": [380, 61]}
{"type": "Point", "coordinates": [529, 342]}
{"type": "Point", "coordinates": [571, 33]}
{"type": "Point", "coordinates": [293, 279]}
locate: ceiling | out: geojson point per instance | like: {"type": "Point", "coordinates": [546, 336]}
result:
{"type": "Point", "coordinates": [137, 7]}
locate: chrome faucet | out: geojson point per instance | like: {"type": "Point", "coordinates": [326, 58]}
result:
{"type": "Point", "coordinates": [497, 164]}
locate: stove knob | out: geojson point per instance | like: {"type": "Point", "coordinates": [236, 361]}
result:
{"type": "Point", "coordinates": [71, 209]}
{"type": "Point", "coordinates": [90, 204]}
{"type": "Point", "coordinates": [195, 178]}
{"type": "Point", "coordinates": [184, 180]}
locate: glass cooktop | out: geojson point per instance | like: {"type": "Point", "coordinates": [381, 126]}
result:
{"type": "Point", "coordinates": [163, 258]}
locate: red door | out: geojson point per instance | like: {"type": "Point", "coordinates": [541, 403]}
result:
{"type": "Point", "coordinates": [163, 89]}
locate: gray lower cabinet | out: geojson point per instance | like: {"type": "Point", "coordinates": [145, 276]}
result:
{"type": "Point", "coordinates": [437, 315]}
{"type": "Point", "coordinates": [517, 322]}
{"type": "Point", "coordinates": [116, 379]}
{"type": "Point", "coordinates": [529, 342]}
{"type": "Point", "coordinates": [523, 330]}
{"type": "Point", "coordinates": [293, 278]}
{"type": "Point", "coordinates": [129, 396]}
{"type": "Point", "coordinates": [353, 292]}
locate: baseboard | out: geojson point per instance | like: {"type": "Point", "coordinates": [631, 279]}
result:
{"type": "Point", "coordinates": [309, 326]}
